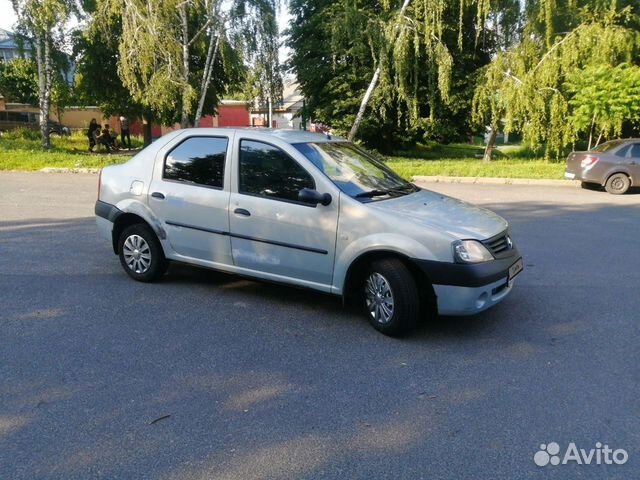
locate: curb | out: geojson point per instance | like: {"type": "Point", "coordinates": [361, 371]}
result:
{"type": "Point", "coordinates": [495, 181]}
{"type": "Point", "coordinates": [69, 170]}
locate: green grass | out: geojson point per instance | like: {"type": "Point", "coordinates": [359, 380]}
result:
{"type": "Point", "coordinates": [20, 150]}
{"type": "Point", "coordinates": [461, 160]}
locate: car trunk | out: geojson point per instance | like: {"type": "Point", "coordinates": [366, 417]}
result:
{"type": "Point", "coordinates": [573, 161]}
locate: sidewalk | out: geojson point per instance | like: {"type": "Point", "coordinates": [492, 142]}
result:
{"type": "Point", "coordinates": [495, 181]}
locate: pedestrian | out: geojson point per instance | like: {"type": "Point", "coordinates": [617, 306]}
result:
{"type": "Point", "coordinates": [105, 138]}
{"type": "Point", "coordinates": [124, 132]}
{"type": "Point", "coordinates": [92, 133]}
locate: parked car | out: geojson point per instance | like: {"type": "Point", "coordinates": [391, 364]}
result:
{"type": "Point", "coordinates": [615, 165]}
{"type": "Point", "coordinates": [12, 119]}
{"type": "Point", "coordinates": [308, 210]}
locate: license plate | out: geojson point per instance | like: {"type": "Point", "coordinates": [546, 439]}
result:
{"type": "Point", "coordinates": [515, 269]}
{"type": "Point", "coordinates": [569, 175]}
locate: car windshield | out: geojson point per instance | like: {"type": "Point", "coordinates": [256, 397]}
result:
{"type": "Point", "coordinates": [354, 171]}
{"type": "Point", "coordinates": [608, 145]}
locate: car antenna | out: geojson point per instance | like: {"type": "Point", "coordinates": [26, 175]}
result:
{"type": "Point", "coordinates": [328, 137]}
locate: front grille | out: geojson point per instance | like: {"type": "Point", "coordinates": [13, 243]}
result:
{"type": "Point", "coordinates": [498, 244]}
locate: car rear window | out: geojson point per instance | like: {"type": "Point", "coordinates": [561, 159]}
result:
{"type": "Point", "coordinates": [198, 160]}
{"type": "Point", "coordinates": [608, 145]}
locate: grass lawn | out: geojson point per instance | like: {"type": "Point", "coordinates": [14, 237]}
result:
{"type": "Point", "coordinates": [20, 150]}
{"type": "Point", "coordinates": [462, 160]}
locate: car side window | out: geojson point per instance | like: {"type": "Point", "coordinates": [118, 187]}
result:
{"type": "Point", "coordinates": [267, 171]}
{"type": "Point", "coordinates": [635, 150]}
{"type": "Point", "coordinates": [197, 160]}
{"type": "Point", "coordinates": [623, 151]}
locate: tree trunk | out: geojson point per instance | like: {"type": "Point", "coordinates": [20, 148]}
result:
{"type": "Point", "coordinates": [593, 121]}
{"type": "Point", "coordinates": [184, 120]}
{"type": "Point", "coordinates": [43, 61]}
{"type": "Point", "coordinates": [363, 105]}
{"type": "Point", "coordinates": [146, 129]}
{"type": "Point", "coordinates": [491, 143]}
{"type": "Point", "coordinates": [372, 84]}
{"type": "Point", "coordinates": [206, 75]}
{"type": "Point", "coordinates": [597, 141]}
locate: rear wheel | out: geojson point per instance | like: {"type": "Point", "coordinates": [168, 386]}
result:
{"type": "Point", "coordinates": [141, 254]}
{"type": "Point", "coordinates": [391, 297]}
{"type": "Point", "coordinates": [617, 184]}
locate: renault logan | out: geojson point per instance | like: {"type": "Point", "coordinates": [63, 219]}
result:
{"type": "Point", "coordinates": [308, 210]}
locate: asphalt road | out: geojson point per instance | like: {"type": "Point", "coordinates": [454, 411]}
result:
{"type": "Point", "coordinates": [207, 376]}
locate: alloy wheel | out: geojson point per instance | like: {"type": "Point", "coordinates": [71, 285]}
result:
{"type": "Point", "coordinates": [379, 298]}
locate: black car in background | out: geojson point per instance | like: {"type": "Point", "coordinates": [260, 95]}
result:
{"type": "Point", "coordinates": [615, 165]}
{"type": "Point", "coordinates": [12, 119]}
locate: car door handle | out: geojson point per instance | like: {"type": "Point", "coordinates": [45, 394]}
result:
{"type": "Point", "coordinates": [158, 195]}
{"type": "Point", "coordinates": [242, 211]}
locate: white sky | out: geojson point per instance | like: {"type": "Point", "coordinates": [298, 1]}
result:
{"type": "Point", "coordinates": [7, 15]}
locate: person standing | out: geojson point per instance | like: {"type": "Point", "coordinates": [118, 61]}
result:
{"type": "Point", "coordinates": [92, 133]}
{"type": "Point", "coordinates": [124, 132]}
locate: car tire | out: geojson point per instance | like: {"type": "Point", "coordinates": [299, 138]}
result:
{"type": "Point", "coordinates": [141, 254]}
{"type": "Point", "coordinates": [391, 297]}
{"type": "Point", "coordinates": [617, 184]}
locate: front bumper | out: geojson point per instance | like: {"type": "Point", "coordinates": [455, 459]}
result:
{"type": "Point", "coordinates": [454, 300]}
{"type": "Point", "coordinates": [467, 289]}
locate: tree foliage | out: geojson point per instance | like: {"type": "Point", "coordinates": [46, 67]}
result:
{"type": "Point", "coordinates": [604, 98]}
{"type": "Point", "coordinates": [426, 58]}
{"type": "Point", "coordinates": [528, 87]}
{"type": "Point", "coordinates": [170, 52]}
{"type": "Point", "coordinates": [19, 81]}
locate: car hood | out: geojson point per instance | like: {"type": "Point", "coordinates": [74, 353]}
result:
{"type": "Point", "coordinates": [460, 219]}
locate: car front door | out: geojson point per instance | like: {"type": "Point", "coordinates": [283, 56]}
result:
{"type": "Point", "coordinates": [272, 232]}
{"type": "Point", "coordinates": [189, 193]}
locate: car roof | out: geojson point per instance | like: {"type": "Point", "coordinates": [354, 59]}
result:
{"type": "Point", "coordinates": [287, 135]}
{"type": "Point", "coordinates": [618, 143]}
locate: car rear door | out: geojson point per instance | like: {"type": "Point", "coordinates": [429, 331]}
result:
{"type": "Point", "coordinates": [633, 158]}
{"type": "Point", "coordinates": [271, 231]}
{"type": "Point", "coordinates": [189, 192]}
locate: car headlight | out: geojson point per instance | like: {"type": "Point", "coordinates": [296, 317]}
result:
{"type": "Point", "coordinates": [470, 251]}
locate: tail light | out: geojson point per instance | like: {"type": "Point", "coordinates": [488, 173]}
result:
{"type": "Point", "coordinates": [588, 161]}
{"type": "Point", "coordinates": [99, 183]}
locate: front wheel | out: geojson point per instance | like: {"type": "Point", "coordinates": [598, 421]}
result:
{"type": "Point", "coordinates": [141, 254]}
{"type": "Point", "coordinates": [391, 297]}
{"type": "Point", "coordinates": [617, 184]}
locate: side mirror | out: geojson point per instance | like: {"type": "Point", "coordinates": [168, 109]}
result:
{"type": "Point", "coordinates": [314, 197]}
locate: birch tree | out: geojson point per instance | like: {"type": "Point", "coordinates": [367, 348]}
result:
{"type": "Point", "coordinates": [43, 20]}
{"type": "Point", "coordinates": [527, 88]}
{"type": "Point", "coordinates": [411, 37]}
{"type": "Point", "coordinates": [158, 47]}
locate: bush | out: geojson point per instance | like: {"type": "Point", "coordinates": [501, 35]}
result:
{"type": "Point", "coordinates": [22, 133]}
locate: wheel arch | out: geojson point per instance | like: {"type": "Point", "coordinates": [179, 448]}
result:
{"type": "Point", "coordinates": [124, 220]}
{"type": "Point", "coordinates": [615, 171]}
{"type": "Point", "coordinates": [358, 269]}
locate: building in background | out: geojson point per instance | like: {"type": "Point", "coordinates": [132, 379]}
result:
{"type": "Point", "coordinates": [11, 47]}
{"type": "Point", "coordinates": [285, 114]}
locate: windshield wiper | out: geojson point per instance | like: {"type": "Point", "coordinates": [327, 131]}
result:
{"type": "Point", "coordinates": [378, 192]}
{"type": "Point", "coordinates": [372, 193]}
